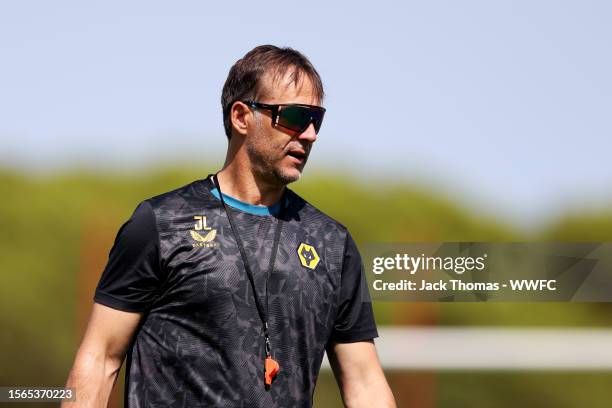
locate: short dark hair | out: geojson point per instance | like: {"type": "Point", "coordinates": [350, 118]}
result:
{"type": "Point", "coordinates": [244, 79]}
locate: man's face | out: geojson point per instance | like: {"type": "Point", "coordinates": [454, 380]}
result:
{"type": "Point", "coordinates": [279, 155]}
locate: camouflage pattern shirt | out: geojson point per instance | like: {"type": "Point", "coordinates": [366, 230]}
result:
{"type": "Point", "coordinates": [200, 341]}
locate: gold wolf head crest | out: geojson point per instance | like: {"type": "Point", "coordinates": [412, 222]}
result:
{"type": "Point", "coordinates": [308, 256]}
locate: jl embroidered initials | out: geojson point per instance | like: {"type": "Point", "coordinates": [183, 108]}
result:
{"type": "Point", "coordinates": [203, 240]}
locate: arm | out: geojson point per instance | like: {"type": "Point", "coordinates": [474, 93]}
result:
{"type": "Point", "coordinates": [100, 355]}
{"type": "Point", "coordinates": [127, 288]}
{"type": "Point", "coordinates": [359, 375]}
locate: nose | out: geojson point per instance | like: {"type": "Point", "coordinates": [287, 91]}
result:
{"type": "Point", "coordinates": [309, 135]}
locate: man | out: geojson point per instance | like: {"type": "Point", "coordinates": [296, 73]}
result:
{"type": "Point", "coordinates": [226, 292]}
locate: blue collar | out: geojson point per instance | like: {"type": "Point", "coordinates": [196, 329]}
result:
{"type": "Point", "coordinates": [246, 207]}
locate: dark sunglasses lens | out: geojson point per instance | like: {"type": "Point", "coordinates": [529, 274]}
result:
{"type": "Point", "coordinates": [298, 118]}
{"type": "Point", "coordinates": [295, 118]}
{"type": "Point", "coordinates": [317, 118]}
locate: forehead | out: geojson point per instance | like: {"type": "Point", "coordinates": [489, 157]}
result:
{"type": "Point", "coordinates": [291, 87]}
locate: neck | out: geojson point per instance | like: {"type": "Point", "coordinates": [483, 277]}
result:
{"type": "Point", "coordinates": [243, 185]}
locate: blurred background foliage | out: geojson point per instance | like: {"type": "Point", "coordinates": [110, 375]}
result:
{"type": "Point", "coordinates": [54, 225]}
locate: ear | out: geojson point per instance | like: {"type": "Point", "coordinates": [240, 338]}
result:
{"type": "Point", "coordinates": [239, 115]}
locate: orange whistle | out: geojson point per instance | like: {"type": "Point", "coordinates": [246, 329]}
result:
{"type": "Point", "coordinates": [271, 369]}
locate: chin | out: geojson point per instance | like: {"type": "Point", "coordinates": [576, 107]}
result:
{"type": "Point", "coordinates": [286, 176]}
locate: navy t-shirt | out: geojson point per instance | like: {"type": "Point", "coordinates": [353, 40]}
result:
{"type": "Point", "coordinates": [200, 342]}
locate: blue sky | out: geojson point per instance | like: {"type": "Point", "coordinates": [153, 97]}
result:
{"type": "Point", "coordinates": [506, 105]}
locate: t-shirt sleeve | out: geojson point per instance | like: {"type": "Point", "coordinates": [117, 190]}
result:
{"type": "Point", "coordinates": [355, 318]}
{"type": "Point", "coordinates": [132, 276]}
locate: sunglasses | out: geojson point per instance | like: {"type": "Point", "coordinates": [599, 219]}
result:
{"type": "Point", "coordinates": [293, 116]}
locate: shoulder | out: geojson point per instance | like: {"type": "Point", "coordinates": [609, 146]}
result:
{"type": "Point", "coordinates": [195, 194]}
{"type": "Point", "coordinates": [164, 210]}
{"type": "Point", "coordinates": [311, 217]}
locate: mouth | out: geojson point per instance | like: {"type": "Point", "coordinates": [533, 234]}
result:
{"type": "Point", "coordinates": [297, 155]}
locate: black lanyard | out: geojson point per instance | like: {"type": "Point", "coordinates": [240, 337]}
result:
{"type": "Point", "coordinates": [263, 312]}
